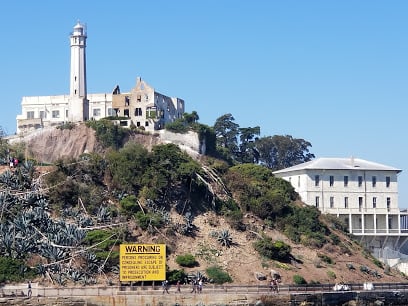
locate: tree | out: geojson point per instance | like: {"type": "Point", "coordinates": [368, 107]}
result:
{"type": "Point", "coordinates": [191, 118]}
{"type": "Point", "coordinates": [4, 149]}
{"type": "Point", "coordinates": [226, 132]}
{"type": "Point", "coordinates": [279, 152]}
{"type": "Point", "coordinates": [127, 166]}
{"type": "Point", "coordinates": [248, 152]}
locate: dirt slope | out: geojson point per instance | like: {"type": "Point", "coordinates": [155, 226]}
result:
{"type": "Point", "coordinates": [241, 261]}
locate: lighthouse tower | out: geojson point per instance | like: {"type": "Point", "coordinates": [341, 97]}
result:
{"type": "Point", "coordinates": [78, 103]}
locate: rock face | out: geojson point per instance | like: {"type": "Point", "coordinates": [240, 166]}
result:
{"type": "Point", "coordinates": [50, 144]}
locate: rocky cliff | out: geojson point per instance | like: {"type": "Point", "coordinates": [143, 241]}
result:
{"type": "Point", "coordinates": [50, 144]}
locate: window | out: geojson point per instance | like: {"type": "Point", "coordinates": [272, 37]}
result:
{"type": "Point", "coordinates": [374, 202]}
{"type": "Point", "coordinates": [66, 113]}
{"type": "Point", "coordinates": [345, 181]}
{"type": "Point", "coordinates": [331, 180]}
{"type": "Point", "coordinates": [139, 98]}
{"type": "Point", "coordinates": [389, 223]}
{"type": "Point", "coordinates": [126, 112]}
{"type": "Point", "coordinates": [138, 123]}
{"type": "Point", "coordinates": [30, 115]}
{"type": "Point", "coordinates": [360, 181]}
{"type": "Point", "coordinates": [110, 112]}
{"type": "Point", "coordinates": [298, 181]}
{"type": "Point", "coordinates": [388, 204]}
{"type": "Point", "coordinates": [317, 180]}
{"type": "Point", "coordinates": [138, 111]}
{"type": "Point", "coordinates": [346, 202]}
{"type": "Point", "coordinates": [360, 203]}
{"type": "Point", "coordinates": [317, 199]}
{"type": "Point", "coordinates": [387, 181]}
{"type": "Point", "coordinates": [147, 123]}
{"type": "Point", "coordinates": [55, 114]}
{"type": "Point", "coordinates": [331, 202]}
{"type": "Point", "coordinates": [374, 181]}
{"type": "Point", "coordinates": [96, 112]}
{"type": "Point", "coordinates": [127, 101]}
{"type": "Point", "coordinates": [43, 115]}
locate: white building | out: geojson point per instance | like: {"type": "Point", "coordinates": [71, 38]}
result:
{"type": "Point", "coordinates": [42, 111]}
{"type": "Point", "coordinates": [364, 194]}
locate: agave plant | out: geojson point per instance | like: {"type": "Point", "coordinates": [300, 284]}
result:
{"type": "Point", "coordinates": [92, 262]}
{"type": "Point", "coordinates": [41, 270]}
{"type": "Point", "coordinates": [224, 238]}
{"type": "Point", "coordinates": [103, 214]}
{"type": "Point", "coordinates": [75, 275]}
{"type": "Point", "coordinates": [188, 227]}
{"type": "Point", "coordinates": [59, 278]}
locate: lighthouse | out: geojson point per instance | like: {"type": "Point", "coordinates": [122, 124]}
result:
{"type": "Point", "coordinates": [78, 109]}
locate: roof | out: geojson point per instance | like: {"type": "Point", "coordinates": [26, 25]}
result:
{"type": "Point", "coordinates": [330, 163]}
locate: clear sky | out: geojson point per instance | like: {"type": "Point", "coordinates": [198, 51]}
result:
{"type": "Point", "coordinates": [334, 73]}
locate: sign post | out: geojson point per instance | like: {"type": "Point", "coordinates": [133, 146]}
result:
{"type": "Point", "coordinates": [142, 262]}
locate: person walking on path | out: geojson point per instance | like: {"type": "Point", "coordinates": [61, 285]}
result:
{"type": "Point", "coordinates": [29, 292]}
{"type": "Point", "coordinates": [194, 283]}
{"type": "Point", "coordinates": [178, 287]}
{"type": "Point", "coordinates": [165, 286]}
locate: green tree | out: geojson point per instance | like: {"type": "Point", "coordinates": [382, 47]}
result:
{"type": "Point", "coordinates": [4, 147]}
{"type": "Point", "coordinates": [127, 166]}
{"type": "Point", "coordinates": [191, 118]}
{"type": "Point", "coordinates": [226, 132]}
{"type": "Point", "coordinates": [279, 152]}
{"type": "Point", "coordinates": [248, 152]}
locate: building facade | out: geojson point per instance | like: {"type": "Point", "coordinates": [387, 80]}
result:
{"type": "Point", "coordinates": [145, 108]}
{"type": "Point", "coordinates": [363, 194]}
{"type": "Point", "coordinates": [142, 107]}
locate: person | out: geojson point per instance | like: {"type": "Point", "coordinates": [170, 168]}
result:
{"type": "Point", "coordinates": [200, 286]}
{"type": "Point", "coordinates": [178, 286]}
{"type": "Point", "coordinates": [194, 283]}
{"type": "Point", "coordinates": [29, 292]}
{"type": "Point", "coordinates": [165, 286]}
{"type": "Point", "coordinates": [274, 285]}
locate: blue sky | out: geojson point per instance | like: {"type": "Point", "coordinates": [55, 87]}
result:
{"type": "Point", "coordinates": [334, 73]}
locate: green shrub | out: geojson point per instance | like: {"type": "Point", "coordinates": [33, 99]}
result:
{"type": "Point", "coordinates": [217, 275]}
{"type": "Point", "coordinates": [104, 239]}
{"type": "Point", "coordinates": [331, 274]}
{"type": "Point", "coordinates": [186, 260]}
{"type": "Point", "coordinates": [335, 239]}
{"type": "Point", "coordinates": [66, 126]}
{"type": "Point", "coordinates": [108, 133]}
{"type": "Point", "coordinates": [14, 270]}
{"type": "Point", "coordinates": [299, 280]}
{"type": "Point", "coordinates": [325, 258]}
{"type": "Point", "coordinates": [277, 250]}
{"type": "Point", "coordinates": [178, 126]}
{"type": "Point", "coordinates": [148, 219]}
{"type": "Point", "coordinates": [378, 263]}
{"type": "Point", "coordinates": [129, 205]}
{"type": "Point", "coordinates": [176, 275]}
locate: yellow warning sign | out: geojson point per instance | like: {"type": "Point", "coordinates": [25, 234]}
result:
{"type": "Point", "coordinates": [142, 262]}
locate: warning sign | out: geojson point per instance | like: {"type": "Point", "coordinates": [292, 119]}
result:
{"type": "Point", "coordinates": [142, 262]}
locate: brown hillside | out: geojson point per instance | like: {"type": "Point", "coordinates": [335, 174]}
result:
{"type": "Point", "coordinates": [241, 261]}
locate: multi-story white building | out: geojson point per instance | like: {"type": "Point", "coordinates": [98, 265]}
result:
{"type": "Point", "coordinates": [43, 111]}
{"type": "Point", "coordinates": [363, 194]}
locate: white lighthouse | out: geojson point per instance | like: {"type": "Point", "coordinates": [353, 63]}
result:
{"type": "Point", "coordinates": [78, 109]}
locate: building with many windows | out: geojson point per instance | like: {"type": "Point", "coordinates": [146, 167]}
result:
{"type": "Point", "coordinates": [143, 106]}
{"type": "Point", "coordinates": [363, 194]}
